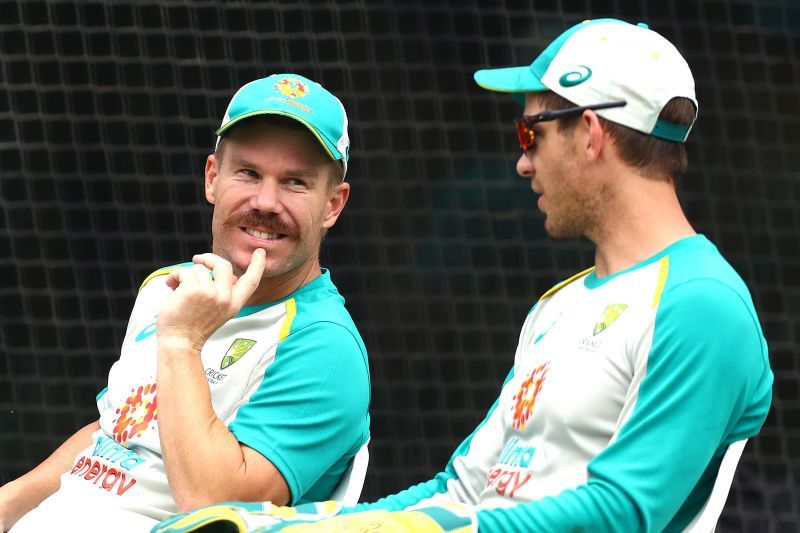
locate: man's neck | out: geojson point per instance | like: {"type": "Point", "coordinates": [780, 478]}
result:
{"type": "Point", "coordinates": [646, 218]}
{"type": "Point", "coordinates": [279, 287]}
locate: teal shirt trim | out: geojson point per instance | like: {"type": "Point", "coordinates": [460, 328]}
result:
{"type": "Point", "coordinates": [248, 310]}
{"type": "Point", "coordinates": [591, 281]}
{"type": "Point", "coordinates": [320, 282]}
{"type": "Point", "coordinates": [309, 416]}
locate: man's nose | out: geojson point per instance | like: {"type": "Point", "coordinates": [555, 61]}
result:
{"type": "Point", "coordinates": [524, 165]}
{"type": "Point", "coordinates": [267, 198]}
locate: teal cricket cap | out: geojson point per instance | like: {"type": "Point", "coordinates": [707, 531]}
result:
{"type": "Point", "coordinates": [298, 98]}
{"type": "Point", "coordinates": [606, 60]}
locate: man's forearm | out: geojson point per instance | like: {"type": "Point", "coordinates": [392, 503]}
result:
{"type": "Point", "coordinates": [23, 494]}
{"type": "Point", "coordinates": [193, 438]}
{"type": "Point", "coordinates": [203, 460]}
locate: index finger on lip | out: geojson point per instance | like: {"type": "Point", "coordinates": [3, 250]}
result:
{"type": "Point", "coordinates": [221, 268]}
{"type": "Point", "coordinates": [250, 280]}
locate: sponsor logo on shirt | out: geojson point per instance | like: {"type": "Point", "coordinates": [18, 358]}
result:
{"type": "Point", "coordinates": [136, 414]}
{"type": "Point", "coordinates": [546, 330]}
{"type": "Point", "coordinates": [146, 332]}
{"type": "Point", "coordinates": [109, 466]}
{"type": "Point", "coordinates": [525, 398]}
{"type": "Point", "coordinates": [506, 482]}
{"type": "Point", "coordinates": [507, 477]}
{"type": "Point", "coordinates": [514, 454]}
{"type": "Point", "coordinates": [104, 476]}
{"type": "Point", "coordinates": [108, 449]}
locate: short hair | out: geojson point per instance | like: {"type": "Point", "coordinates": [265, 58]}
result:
{"type": "Point", "coordinates": [666, 160]}
{"type": "Point", "coordinates": [336, 167]}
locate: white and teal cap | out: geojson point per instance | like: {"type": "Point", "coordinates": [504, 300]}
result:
{"type": "Point", "coordinates": [298, 98]}
{"type": "Point", "coordinates": [606, 60]}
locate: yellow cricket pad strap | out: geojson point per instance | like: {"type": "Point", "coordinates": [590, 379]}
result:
{"type": "Point", "coordinates": [238, 517]}
{"type": "Point", "coordinates": [372, 521]}
{"type": "Point", "coordinates": [244, 517]}
{"type": "Point", "coordinates": [450, 518]}
{"type": "Point", "coordinates": [222, 518]}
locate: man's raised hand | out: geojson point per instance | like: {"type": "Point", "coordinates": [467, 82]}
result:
{"type": "Point", "coordinates": [206, 295]}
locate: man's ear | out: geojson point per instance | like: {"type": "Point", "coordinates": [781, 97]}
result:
{"type": "Point", "coordinates": [336, 201]}
{"type": "Point", "coordinates": [596, 138]}
{"type": "Point", "coordinates": [212, 173]}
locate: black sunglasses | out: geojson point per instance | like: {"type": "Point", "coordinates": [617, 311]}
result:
{"type": "Point", "coordinates": [524, 124]}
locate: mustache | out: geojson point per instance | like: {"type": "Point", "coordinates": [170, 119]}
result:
{"type": "Point", "coordinates": [271, 222]}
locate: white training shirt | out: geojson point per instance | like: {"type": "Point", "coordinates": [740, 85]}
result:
{"type": "Point", "coordinates": [290, 379]}
{"type": "Point", "coordinates": [625, 393]}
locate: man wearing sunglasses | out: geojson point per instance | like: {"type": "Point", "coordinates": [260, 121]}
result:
{"type": "Point", "coordinates": [632, 378]}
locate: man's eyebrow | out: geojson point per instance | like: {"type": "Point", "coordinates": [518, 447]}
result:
{"type": "Point", "coordinates": [241, 162]}
{"type": "Point", "coordinates": [300, 173]}
{"type": "Point", "coordinates": [291, 173]}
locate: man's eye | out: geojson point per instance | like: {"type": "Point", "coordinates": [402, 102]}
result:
{"type": "Point", "coordinates": [248, 172]}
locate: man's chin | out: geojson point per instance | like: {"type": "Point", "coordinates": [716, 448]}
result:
{"type": "Point", "coordinates": [557, 232]}
{"type": "Point", "coordinates": [239, 264]}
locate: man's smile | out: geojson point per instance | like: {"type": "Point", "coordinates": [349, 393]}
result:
{"type": "Point", "coordinates": [263, 235]}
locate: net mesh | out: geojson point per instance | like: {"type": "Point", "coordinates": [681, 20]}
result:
{"type": "Point", "coordinates": [106, 114]}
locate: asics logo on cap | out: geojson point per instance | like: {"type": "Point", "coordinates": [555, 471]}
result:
{"type": "Point", "coordinates": [575, 77]}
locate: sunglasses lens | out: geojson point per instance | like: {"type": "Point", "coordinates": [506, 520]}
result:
{"type": "Point", "coordinates": [525, 135]}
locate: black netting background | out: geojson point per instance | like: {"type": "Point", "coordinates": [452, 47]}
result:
{"type": "Point", "coordinates": [106, 114]}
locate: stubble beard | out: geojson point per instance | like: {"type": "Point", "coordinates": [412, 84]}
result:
{"type": "Point", "coordinates": [568, 221]}
{"type": "Point", "coordinates": [576, 212]}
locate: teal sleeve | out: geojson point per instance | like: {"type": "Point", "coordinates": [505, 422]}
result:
{"type": "Point", "coordinates": [408, 497]}
{"type": "Point", "coordinates": [707, 384]}
{"type": "Point", "coordinates": [309, 414]}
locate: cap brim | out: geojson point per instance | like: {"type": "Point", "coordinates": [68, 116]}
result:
{"type": "Point", "coordinates": [509, 80]}
{"type": "Point", "coordinates": [333, 154]}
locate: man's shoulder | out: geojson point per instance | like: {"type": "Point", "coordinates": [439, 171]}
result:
{"type": "Point", "coordinates": [561, 284]}
{"type": "Point", "coordinates": [703, 270]}
{"type": "Point", "coordinates": [328, 318]}
{"type": "Point", "coordinates": [164, 271]}
{"type": "Point", "coordinates": [703, 293]}
{"type": "Point", "coordinates": [319, 303]}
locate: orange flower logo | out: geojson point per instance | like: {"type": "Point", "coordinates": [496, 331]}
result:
{"type": "Point", "coordinates": [136, 414]}
{"type": "Point", "coordinates": [525, 398]}
{"type": "Point", "coordinates": [291, 87]}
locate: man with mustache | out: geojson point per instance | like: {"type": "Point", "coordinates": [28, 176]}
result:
{"type": "Point", "coordinates": [241, 375]}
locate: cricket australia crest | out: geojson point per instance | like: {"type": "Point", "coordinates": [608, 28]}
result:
{"type": "Point", "coordinates": [610, 315]}
{"type": "Point", "coordinates": [238, 348]}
